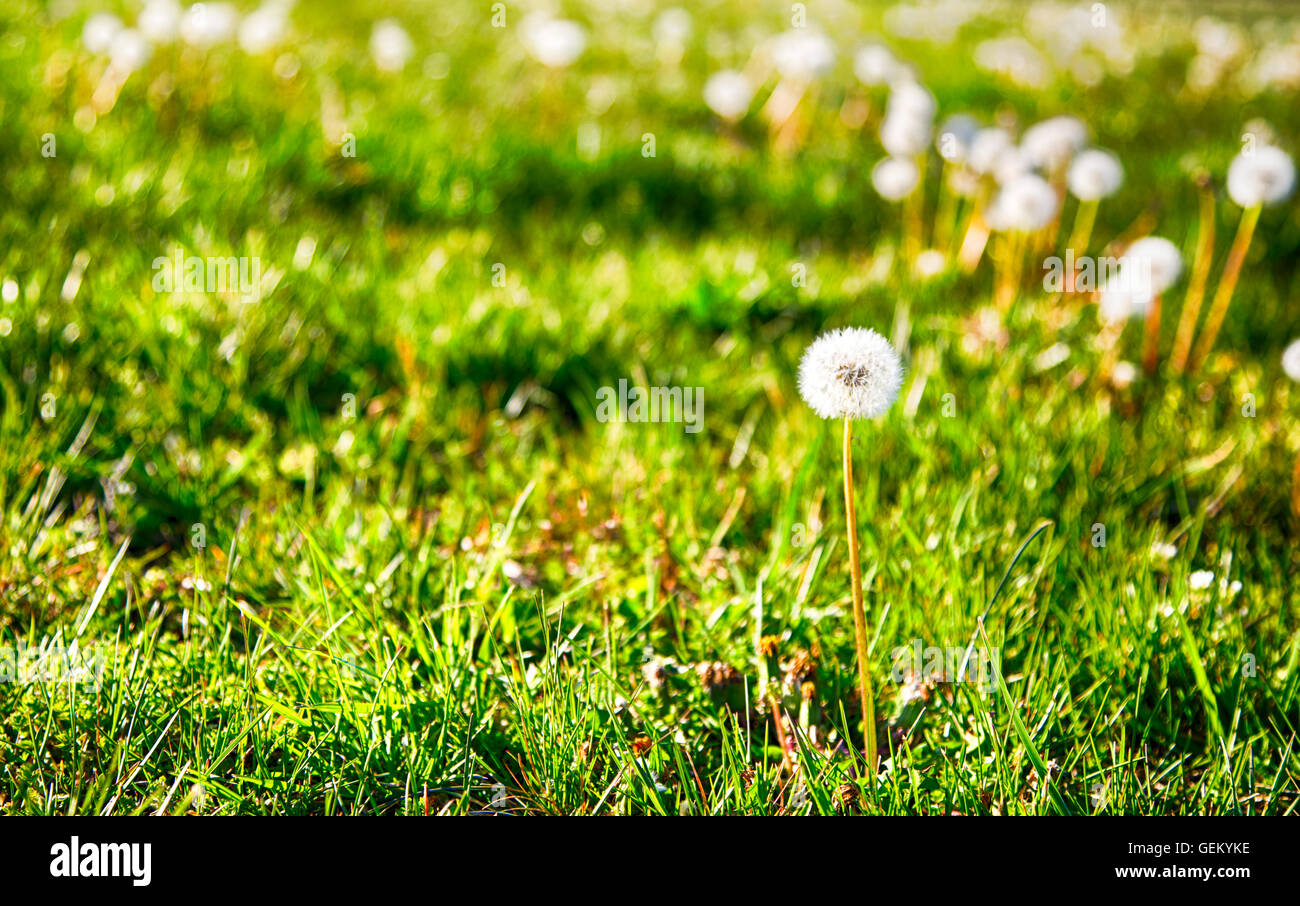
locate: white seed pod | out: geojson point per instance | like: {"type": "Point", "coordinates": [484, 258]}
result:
{"type": "Point", "coordinates": [1094, 175]}
{"type": "Point", "coordinates": [728, 94]}
{"type": "Point", "coordinates": [1264, 176]}
{"type": "Point", "coordinates": [1291, 360]}
{"type": "Point", "coordinates": [98, 32]}
{"type": "Point", "coordinates": [1025, 204]}
{"type": "Point", "coordinates": [850, 373]}
{"type": "Point", "coordinates": [875, 64]}
{"type": "Point", "coordinates": [1051, 143]}
{"type": "Point", "coordinates": [1151, 265]}
{"type": "Point", "coordinates": [895, 178]}
{"type": "Point", "coordinates": [552, 42]}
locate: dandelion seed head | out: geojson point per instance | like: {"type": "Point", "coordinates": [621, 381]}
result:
{"type": "Point", "coordinates": [1025, 204]}
{"type": "Point", "coordinates": [129, 51]}
{"type": "Point", "coordinates": [955, 138]}
{"type": "Point", "coordinates": [160, 21]}
{"type": "Point", "coordinates": [875, 65]}
{"type": "Point", "coordinates": [728, 94]}
{"type": "Point", "coordinates": [1051, 143]}
{"type": "Point", "coordinates": [1094, 175]}
{"type": "Point", "coordinates": [1264, 176]}
{"type": "Point", "coordinates": [850, 373]}
{"type": "Point", "coordinates": [909, 98]}
{"type": "Point", "coordinates": [552, 42]}
{"type": "Point", "coordinates": [207, 24]}
{"type": "Point", "coordinates": [98, 33]}
{"type": "Point", "coordinates": [1159, 259]}
{"type": "Point", "coordinates": [1291, 360]}
{"type": "Point", "coordinates": [987, 148]}
{"type": "Point", "coordinates": [904, 135]}
{"type": "Point", "coordinates": [390, 46]}
{"type": "Point", "coordinates": [895, 178]}
{"type": "Point", "coordinates": [802, 54]}
{"type": "Point", "coordinates": [262, 29]}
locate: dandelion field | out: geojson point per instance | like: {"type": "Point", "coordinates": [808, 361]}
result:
{"type": "Point", "coordinates": [366, 541]}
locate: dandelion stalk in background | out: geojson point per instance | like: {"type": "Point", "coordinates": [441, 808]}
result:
{"type": "Point", "coordinates": [853, 373]}
{"type": "Point", "coordinates": [1227, 284]}
{"type": "Point", "coordinates": [1257, 177]}
{"type": "Point", "coordinates": [1191, 313]}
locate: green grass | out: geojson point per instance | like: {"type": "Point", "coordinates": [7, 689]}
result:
{"type": "Point", "coordinates": [428, 580]}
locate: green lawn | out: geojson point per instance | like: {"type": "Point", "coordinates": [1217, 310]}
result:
{"type": "Point", "coordinates": [363, 546]}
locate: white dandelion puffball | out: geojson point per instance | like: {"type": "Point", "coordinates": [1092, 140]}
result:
{"type": "Point", "coordinates": [552, 42]}
{"type": "Point", "coordinates": [1051, 143]}
{"type": "Point", "coordinates": [1157, 261]}
{"type": "Point", "coordinates": [955, 138]}
{"type": "Point", "coordinates": [1094, 175]}
{"type": "Point", "coordinates": [728, 94]}
{"type": "Point", "coordinates": [875, 65]}
{"type": "Point", "coordinates": [895, 178]}
{"type": "Point", "coordinates": [850, 372]}
{"type": "Point", "coordinates": [390, 46]}
{"type": "Point", "coordinates": [207, 24]}
{"type": "Point", "coordinates": [128, 51]}
{"type": "Point", "coordinates": [98, 33]}
{"type": "Point", "coordinates": [802, 54]}
{"type": "Point", "coordinates": [1263, 176]}
{"type": "Point", "coordinates": [1291, 360]}
{"type": "Point", "coordinates": [987, 148]}
{"type": "Point", "coordinates": [905, 135]}
{"type": "Point", "coordinates": [1025, 204]}
{"type": "Point", "coordinates": [908, 98]}
{"type": "Point", "coordinates": [262, 30]}
{"type": "Point", "coordinates": [1117, 302]}
{"type": "Point", "coordinates": [160, 21]}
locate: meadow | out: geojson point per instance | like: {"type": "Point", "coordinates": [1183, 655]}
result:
{"type": "Point", "coordinates": [374, 533]}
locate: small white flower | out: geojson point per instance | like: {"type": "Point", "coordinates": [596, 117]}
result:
{"type": "Point", "coordinates": [895, 178]}
{"type": "Point", "coordinates": [1158, 263]}
{"type": "Point", "coordinates": [1200, 580]}
{"type": "Point", "coordinates": [955, 138]}
{"type": "Point", "coordinates": [262, 30]}
{"type": "Point", "coordinates": [1291, 360]}
{"type": "Point", "coordinates": [552, 42]}
{"type": "Point", "coordinates": [802, 54]}
{"type": "Point", "coordinates": [1264, 176]}
{"type": "Point", "coordinates": [129, 51]}
{"type": "Point", "coordinates": [160, 21]}
{"type": "Point", "coordinates": [390, 46]}
{"type": "Point", "coordinates": [98, 33]}
{"type": "Point", "coordinates": [1051, 143]}
{"type": "Point", "coordinates": [1026, 203]}
{"type": "Point", "coordinates": [1094, 175]}
{"type": "Point", "coordinates": [728, 94]}
{"type": "Point", "coordinates": [207, 24]}
{"type": "Point", "coordinates": [850, 373]}
{"type": "Point", "coordinates": [875, 65]}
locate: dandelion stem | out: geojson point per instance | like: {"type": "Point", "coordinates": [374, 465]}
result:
{"type": "Point", "coordinates": [1151, 338]}
{"type": "Point", "coordinates": [1196, 289]}
{"type": "Point", "coordinates": [1081, 235]}
{"type": "Point", "coordinates": [1227, 283]}
{"type": "Point", "coordinates": [859, 613]}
